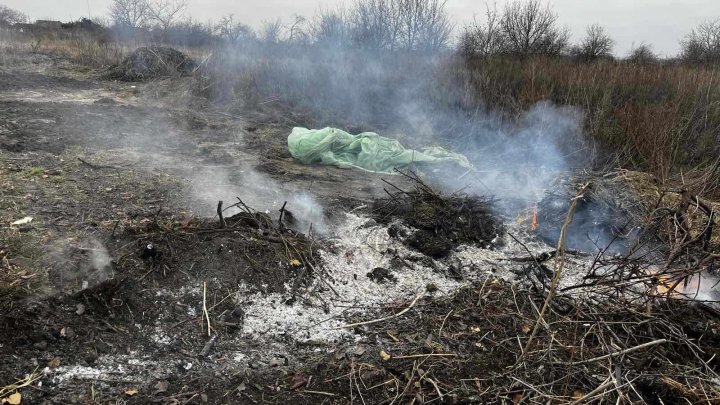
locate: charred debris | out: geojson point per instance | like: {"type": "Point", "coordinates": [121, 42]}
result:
{"type": "Point", "coordinates": [435, 223]}
{"type": "Point", "coordinates": [246, 246]}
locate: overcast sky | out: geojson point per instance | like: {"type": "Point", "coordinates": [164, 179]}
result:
{"type": "Point", "coordinates": [661, 23]}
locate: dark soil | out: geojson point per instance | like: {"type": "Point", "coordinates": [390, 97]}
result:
{"type": "Point", "coordinates": [381, 275]}
{"type": "Point", "coordinates": [36, 81]}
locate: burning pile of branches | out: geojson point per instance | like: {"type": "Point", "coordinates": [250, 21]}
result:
{"type": "Point", "coordinates": [609, 215]}
{"type": "Point", "coordinates": [439, 222]}
{"type": "Point", "coordinates": [687, 268]}
{"type": "Point", "coordinates": [675, 252]}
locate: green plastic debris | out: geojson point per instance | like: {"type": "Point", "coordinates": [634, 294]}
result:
{"type": "Point", "coordinates": [367, 151]}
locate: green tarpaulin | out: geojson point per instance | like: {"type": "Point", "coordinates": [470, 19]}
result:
{"type": "Point", "coordinates": [368, 150]}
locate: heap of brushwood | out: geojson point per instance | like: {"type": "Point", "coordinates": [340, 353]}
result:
{"type": "Point", "coordinates": [150, 63]}
{"type": "Point", "coordinates": [608, 215]}
{"type": "Point", "coordinates": [472, 348]}
{"type": "Point", "coordinates": [438, 222]}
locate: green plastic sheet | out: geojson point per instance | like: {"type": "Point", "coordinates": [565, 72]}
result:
{"type": "Point", "coordinates": [368, 150]}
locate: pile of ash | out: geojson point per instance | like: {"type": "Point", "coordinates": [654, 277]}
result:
{"type": "Point", "coordinates": [439, 222]}
{"type": "Point", "coordinates": [150, 63]}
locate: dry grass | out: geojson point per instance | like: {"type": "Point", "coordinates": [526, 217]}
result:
{"type": "Point", "coordinates": [659, 118]}
{"type": "Point", "coordinates": [81, 48]}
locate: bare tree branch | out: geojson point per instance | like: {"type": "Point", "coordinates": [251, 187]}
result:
{"type": "Point", "coordinates": [9, 16]}
{"type": "Point", "coordinates": [702, 45]}
{"type": "Point", "coordinates": [231, 30]}
{"type": "Point", "coordinates": [530, 28]}
{"type": "Point", "coordinates": [165, 12]}
{"type": "Point", "coordinates": [596, 44]}
{"type": "Point", "coordinates": [483, 38]}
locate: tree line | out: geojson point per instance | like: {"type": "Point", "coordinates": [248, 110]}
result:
{"type": "Point", "coordinates": [530, 27]}
{"type": "Point", "coordinates": [522, 28]}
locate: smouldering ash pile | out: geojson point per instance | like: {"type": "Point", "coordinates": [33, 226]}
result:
{"type": "Point", "coordinates": [347, 290]}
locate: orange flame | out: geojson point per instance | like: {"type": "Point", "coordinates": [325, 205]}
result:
{"type": "Point", "coordinates": [664, 284]}
{"type": "Point", "coordinates": [534, 224]}
{"type": "Point", "coordinates": [696, 286]}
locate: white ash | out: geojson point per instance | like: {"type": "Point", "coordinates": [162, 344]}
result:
{"type": "Point", "coordinates": [180, 292]}
{"type": "Point", "coordinates": [131, 368]}
{"type": "Point", "coordinates": [358, 249]}
{"type": "Point", "coordinates": [160, 336]}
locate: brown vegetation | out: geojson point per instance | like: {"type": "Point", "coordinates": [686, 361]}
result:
{"type": "Point", "coordinates": [660, 118]}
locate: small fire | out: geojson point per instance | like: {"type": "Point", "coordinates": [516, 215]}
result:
{"type": "Point", "coordinates": [534, 224]}
{"type": "Point", "coordinates": [665, 284]}
{"type": "Point", "coordinates": [697, 286]}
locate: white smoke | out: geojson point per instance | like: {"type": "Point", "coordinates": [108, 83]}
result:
{"type": "Point", "coordinates": [76, 265]}
{"type": "Point", "coordinates": [258, 191]}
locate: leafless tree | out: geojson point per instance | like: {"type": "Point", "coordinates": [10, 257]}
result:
{"type": "Point", "coordinates": [232, 30]}
{"type": "Point", "coordinates": [702, 45]}
{"type": "Point", "coordinates": [165, 12]}
{"type": "Point", "coordinates": [483, 38]}
{"type": "Point", "coordinates": [530, 28]}
{"type": "Point", "coordinates": [270, 31]}
{"type": "Point", "coordinates": [9, 16]}
{"type": "Point", "coordinates": [642, 55]}
{"type": "Point", "coordinates": [400, 24]}
{"type": "Point", "coordinates": [596, 44]}
{"type": "Point", "coordinates": [330, 27]}
{"type": "Point", "coordinates": [423, 24]}
{"type": "Point", "coordinates": [375, 24]}
{"type": "Point", "coordinates": [129, 13]}
{"type": "Point", "coordinates": [295, 30]}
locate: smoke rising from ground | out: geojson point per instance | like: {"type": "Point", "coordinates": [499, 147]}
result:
{"type": "Point", "coordinates": [257, 191]}
{"type": "Point", "coordinates": [422, 99]}
{"type": "Point", "coordinates": [77, 265]}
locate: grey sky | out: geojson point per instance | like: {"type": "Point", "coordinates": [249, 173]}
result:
{"type": "Point", "coordinates": [661, 23]}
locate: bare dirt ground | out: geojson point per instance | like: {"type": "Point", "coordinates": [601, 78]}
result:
{"type": "Point", "coordinates": [108, 292]}
{"type": "Point", "coordinates": [94, 161]}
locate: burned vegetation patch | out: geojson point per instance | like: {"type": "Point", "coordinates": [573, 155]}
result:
{"type": "Point", "coordinates": [248, 247]}
{"type": "Point", "coordinates": [438, 222]}
{"type": "Point", "coordinates": [472, 347]}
